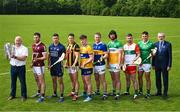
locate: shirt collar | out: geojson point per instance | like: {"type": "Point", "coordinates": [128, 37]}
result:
{"type": "Point", "coordinates": [72, 43]}
{"type": "Point", "coordinates": [85, 45]}
{"type": "Point", "coordinates": [18, 47]}
{"type": "Point", "coordinates": [129, 44]}
{"type": "Point", "coordinates": [56, 45]}
{"type": "Point", "coordinates": [38, 43]}
{"type": "Point", "coordinates": [145, 42]}
{"type": "Point", "coordinates": [98, 43]}
{"type": "Point", "coordinates": [162, 41]}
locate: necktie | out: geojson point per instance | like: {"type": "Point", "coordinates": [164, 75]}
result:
{"type": "Point", "coordinates": [160, 46]}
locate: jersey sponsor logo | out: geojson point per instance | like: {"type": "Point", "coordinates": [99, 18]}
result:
{"type": "Point", "coordinates": [54, 54]}
{"type": "Point", "coordinates": [85, 51]}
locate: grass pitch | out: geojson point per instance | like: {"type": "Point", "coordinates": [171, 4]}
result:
{"type": "Point", "coordinates": [26, 25]}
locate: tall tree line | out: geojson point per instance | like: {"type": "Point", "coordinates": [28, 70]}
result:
{"type": "Point", "coordinates": [153, 8]}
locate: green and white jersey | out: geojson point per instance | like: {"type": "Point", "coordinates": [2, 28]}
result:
{"type": "Point", "coordinates": [145, 49]}
{"type": "Point", "coordinates": [115, 44]}
{"type": "Point", "coordinates": [114, 47]}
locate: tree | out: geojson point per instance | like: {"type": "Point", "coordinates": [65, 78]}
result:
{"type": "Point", "coordinates": [170, 7]}
{"type": "Point", "coordinates": [109, 3]}
{"type": "Point", "coordinates": [156, 8]}
{"type": "Point", "coordinates": [106, 11]}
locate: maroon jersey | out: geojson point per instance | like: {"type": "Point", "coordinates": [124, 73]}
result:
{"type": "Point", "coordinates": [38, 50]}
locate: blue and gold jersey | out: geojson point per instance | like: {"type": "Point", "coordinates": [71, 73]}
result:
{"type": "Point", "coordinates": [99, 50]}
{"type": "Point", "coordinates": [85, 51]}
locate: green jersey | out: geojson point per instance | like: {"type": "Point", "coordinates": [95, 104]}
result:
{"type": "Point", "coordinates": [115, 44]}
{"type": "Point", "coordinates": [114, 47]}
{"type": "Point", "coordinates": [145, 49]}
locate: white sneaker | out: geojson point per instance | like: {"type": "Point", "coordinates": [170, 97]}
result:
{"type": "Point", "coordinates": [87, 99]}
{"type": "Point", "coordinates": [40, 100]}
{"type": "Point", "coordinates": [135, 96]}
{"type": "Point", "coordinates": [36, 95]}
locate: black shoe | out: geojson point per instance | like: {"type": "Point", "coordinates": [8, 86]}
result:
{"type": "Point", "coordinates": [11, 98]}
{"type": "Point", "coordinates": [104, 97]}
{"type": "Point", "coordinates": [126, 93]}
{"type": "Point", "coordinates": [140, 93]}
{"type": "Point", "coordinates": [117, 97]}
{"type": "Point", "coordinates": [147, 96]}
{"type": "Point", "coordinates": [158, 94]}
{"type": "Point", "coordinates": [165, 96]}
{"type": "Point", "coordinates": [97, 93]}
{"type": "Point", "coordinates": [23, 99]}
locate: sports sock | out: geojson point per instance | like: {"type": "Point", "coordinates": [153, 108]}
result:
{"type": "Point", "coordinates": [148, 91]}
{"type": "Point", "coordinates": [55, 92]}
{"type": "Point", "coordinates": [136, 91]}
{"type": "Point", "coordinates": [127, 89]}
{"type": "Point", "coordinates": [61, 95]}
{"type": "Point", "coordinates": [140, 89]}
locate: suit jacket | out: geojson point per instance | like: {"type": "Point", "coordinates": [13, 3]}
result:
{"type": "Point", "coordinates": [163, 57]}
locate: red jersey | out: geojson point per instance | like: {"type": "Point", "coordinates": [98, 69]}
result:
{"type": "Point", "coordinates": [38, 50]}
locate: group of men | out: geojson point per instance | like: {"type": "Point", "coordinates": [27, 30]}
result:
{"type": "Point", "coordinates": [115, 56]}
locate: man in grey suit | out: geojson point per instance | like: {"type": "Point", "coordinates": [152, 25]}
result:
{"type": "Point", "coordinates": [162, 63]}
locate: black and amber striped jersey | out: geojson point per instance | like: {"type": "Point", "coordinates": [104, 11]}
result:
{"type": "Point", "coordinates": [70, 56]}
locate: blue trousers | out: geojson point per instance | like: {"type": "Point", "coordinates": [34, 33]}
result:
{"type": "Point", "coordinates": [164, 73]}
{"type": "Point", "coordinates": [20, 72]}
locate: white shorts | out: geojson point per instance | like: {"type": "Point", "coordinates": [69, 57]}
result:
{"type": "Point", "coordinates": [144, 67]}
{"type": "Point", "coordinates": [100, 69]}
{"type": "Point", "coordinates": [38, 70]}
{"type": "Point", "coordinates": [72, 70]}
{"type": "Point", "coordinates": [114, 67]}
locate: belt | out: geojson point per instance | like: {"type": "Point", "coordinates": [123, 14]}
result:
{"type": "Point", "coordinates": [17, 66]}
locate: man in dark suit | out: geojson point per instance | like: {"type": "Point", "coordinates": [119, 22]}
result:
{"type": "Point", "coordinates": [162, 62]}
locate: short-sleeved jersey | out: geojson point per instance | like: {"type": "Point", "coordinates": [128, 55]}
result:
{"type": "Point", "coordinates": [85, 52]}
{"type": "Point", "coordinates": [71, 48]}
{"type": "Point", "coordinates": [145, 49]}
{"type": "Point", "coordinates": [99, 50]}
{"type": "Point", "coordinates": [38, 51]}
{"type": "Point", "coordinates": [113, 48]}
{"type": "Point", "coordinates": [55, 51]}
{"type": "Point", "coordinates": [130, 52]}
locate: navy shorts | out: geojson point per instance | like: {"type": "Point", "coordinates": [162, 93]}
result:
{"type": "Point", "coordinates": [87, 71]}
{"type": "Point", "coordinates": [57, 71]}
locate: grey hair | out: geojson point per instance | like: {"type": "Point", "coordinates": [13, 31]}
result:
{"type": "Point", "coordinates": [162, 34]}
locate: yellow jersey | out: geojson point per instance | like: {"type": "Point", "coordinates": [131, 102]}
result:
{"type": "Point", "coordinates": [85, 51]}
